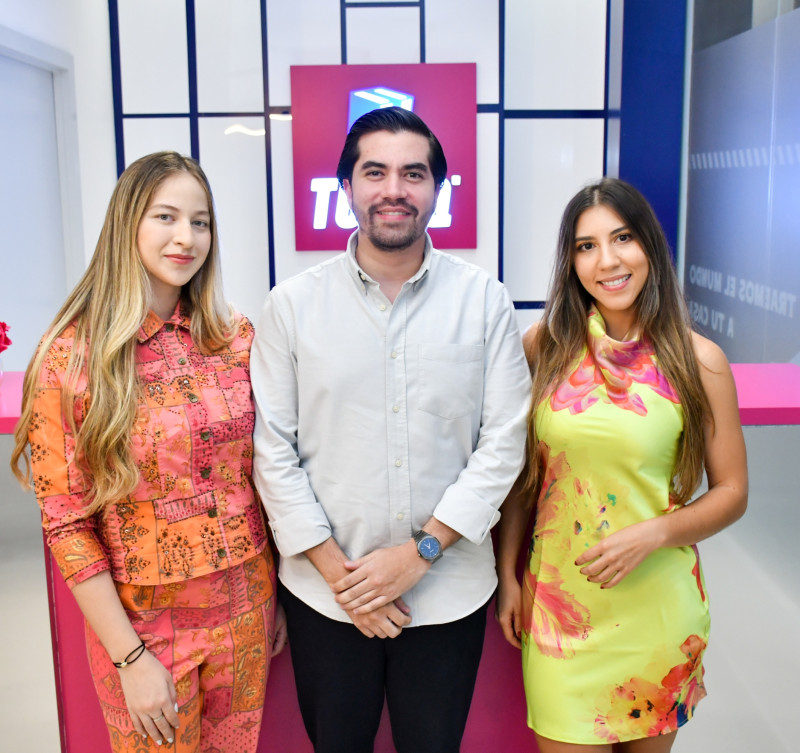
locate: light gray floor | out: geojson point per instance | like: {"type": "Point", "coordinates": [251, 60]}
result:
{"type": "Point", "coordinates": [28, 715]}
{"type": "Point", "coordinates": [752, 572]}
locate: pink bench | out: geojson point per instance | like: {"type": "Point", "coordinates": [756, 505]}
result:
{"type": "Point", "coordinates": [769, 393]}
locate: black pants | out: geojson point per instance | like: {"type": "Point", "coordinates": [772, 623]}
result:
{"type": "Point", "coordinates": [427, 674]}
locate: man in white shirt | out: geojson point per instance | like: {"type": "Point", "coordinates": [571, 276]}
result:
{"type": "Point", "coordinates": [392, 391]}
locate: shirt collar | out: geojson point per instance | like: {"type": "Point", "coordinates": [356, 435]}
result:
{"type": "Point", "coordinates": [359, 275]}
{"type": "Point", "coordinates": [153, 323]}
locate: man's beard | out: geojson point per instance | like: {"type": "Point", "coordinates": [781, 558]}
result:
{"type": "Point", "coordinates": [398, 239]}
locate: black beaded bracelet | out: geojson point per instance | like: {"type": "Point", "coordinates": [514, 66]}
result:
{"type": "Point", "coordinates": [131, 657]}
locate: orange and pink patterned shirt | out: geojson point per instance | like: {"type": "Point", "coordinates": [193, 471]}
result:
{"type": "Point", "coordinates": [195, 510]}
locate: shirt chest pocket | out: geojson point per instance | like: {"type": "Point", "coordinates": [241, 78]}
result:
{"type": "Point", "coordinates": [233, 385]}
{"type": "Point", "coordinates": [451, 379]}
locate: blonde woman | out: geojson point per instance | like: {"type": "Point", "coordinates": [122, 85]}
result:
{"type": "Point", "coordinates": [628, 407]}
{"type": "Point", "coordinates": [138, 414]}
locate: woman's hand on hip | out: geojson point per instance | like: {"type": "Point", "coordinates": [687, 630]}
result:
{"type": "Point", "coordinates": [611, 559]}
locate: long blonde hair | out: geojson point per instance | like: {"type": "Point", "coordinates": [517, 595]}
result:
{"type": "Point", "coordinates": [661, 313]}
{"type": "Point", "coordinates": [107, 308]}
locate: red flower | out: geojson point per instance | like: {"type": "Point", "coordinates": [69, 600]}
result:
{"type": "Point", "coordinates": [550, 507]}
{"type": "Point", "coordinates": [636, 708]}
{"type": "Point", "coordinates": [640, 708]}
{"type": "Point", "coordinates": [696, 572]}
{"type": "Point", "coordinates": [556, 619]}
{"type": "Point", "coordinates": [5, 341]}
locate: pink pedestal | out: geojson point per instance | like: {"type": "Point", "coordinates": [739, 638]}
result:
{"type": "Point", "coordinates": [768, 394]}
{"type": "Point", "coordinates": [497, 720]}
{"type": "Point", "coordinates": [10, 400]}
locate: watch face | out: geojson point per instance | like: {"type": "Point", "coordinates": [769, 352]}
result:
{"type": "Point", "coordinates": [429, 548]}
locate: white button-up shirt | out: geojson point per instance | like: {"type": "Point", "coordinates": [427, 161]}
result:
{"type": "Point", "coordinates": [373, 416]}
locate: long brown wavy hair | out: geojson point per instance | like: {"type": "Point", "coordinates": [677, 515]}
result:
{"type": "Point", "coordinates": [661, 315]}
{"type": "Point", "coordinates": [107, 308]}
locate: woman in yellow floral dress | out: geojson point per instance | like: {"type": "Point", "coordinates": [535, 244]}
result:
{"type": "Point", "coordinates": [629, 406]}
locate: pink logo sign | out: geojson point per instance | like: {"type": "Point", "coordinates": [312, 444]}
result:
{"type": "Point", "coordinates": [326, 99]}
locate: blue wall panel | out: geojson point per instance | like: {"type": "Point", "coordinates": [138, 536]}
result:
{"type": "Point", "coordinates": [653, 59]}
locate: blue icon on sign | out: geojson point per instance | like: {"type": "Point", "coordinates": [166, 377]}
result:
{"type": "Point", "coordinates": [363, 101]}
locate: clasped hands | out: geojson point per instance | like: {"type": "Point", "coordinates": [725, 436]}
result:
{"type": "Point", "coordinates": [371, 592]}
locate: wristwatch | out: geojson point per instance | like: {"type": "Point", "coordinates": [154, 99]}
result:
{"type": "Point", "coordinates": [428, 546]}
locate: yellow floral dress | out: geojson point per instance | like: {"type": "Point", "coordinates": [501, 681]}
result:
{"type": "Point", "coordinates": [610, 665]}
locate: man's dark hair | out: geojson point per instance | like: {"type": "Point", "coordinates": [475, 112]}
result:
{"type": "Point", "coordinates": [394, 120]}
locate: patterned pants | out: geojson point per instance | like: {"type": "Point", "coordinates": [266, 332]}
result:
{"type": "Point", "coordinates": [214, 635]}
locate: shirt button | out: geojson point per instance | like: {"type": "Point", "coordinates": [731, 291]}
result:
{"type": "Point", "coordinates": [220, 552]}
{"type": "Point", "coordinates": [396, 408]}
{"type": "Point", "coordinates": [170, 327]}
{"type": "Point", "coordinates": [205, 472]}
{"type": "Point", "coordinates": [382, 307]}
{"type": "Point", "coordinates": [182, 361]}
{"type": "Point", "coordinates": [212, 513]}
{"type": "Point", "coordinates": [398, 462]}
{"type": "Point", "coordinates": [400, 516]}
{"type": "Point", "coordinates": [205, 435]}
{"type": "Point", "coordinates": [193, 398]}
{"type": "Point", "coordinates": [394, 354]}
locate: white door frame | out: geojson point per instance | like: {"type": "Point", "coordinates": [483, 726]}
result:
{"type": "Point", "coordinates": [60, 63]}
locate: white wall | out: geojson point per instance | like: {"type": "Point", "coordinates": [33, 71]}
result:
{"type": "Point", "coordinates": [80, 28]}
{"type": "Point", "coordinates": [36, 229]}
{"type": "Point", "coordinates": [766, 10]}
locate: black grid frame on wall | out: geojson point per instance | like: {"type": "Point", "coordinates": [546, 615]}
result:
{"type": "Point", "coordinates": [504, 114]}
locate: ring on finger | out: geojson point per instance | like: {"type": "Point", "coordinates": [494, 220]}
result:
{"type": "Point", "coordinates": [157, 718]}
